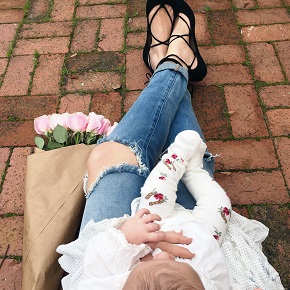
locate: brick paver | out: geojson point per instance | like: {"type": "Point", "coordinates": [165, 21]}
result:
{"type": "Point", "coordinates": [264, 60]}
{"type": "Point", "coordinates": [75, 103]}
{"type": "Point", "coordinates": [17, 78]}
{"type": "Point", "coordinates": [245, 113]}
{"type": "Point", "coordinates": [86, 55]}
{"type": "Point", "coordinates": [7, 35]}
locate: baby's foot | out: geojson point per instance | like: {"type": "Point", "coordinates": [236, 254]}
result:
{"type": "Point", "coordinates": [186, 145]}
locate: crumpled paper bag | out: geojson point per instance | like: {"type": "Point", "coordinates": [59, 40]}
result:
{"type": "Point", "coordinates": [54, 202]}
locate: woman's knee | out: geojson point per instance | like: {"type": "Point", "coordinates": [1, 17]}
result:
{"type": "Point", "coordinates": [106, 155]}
{"type": "Point", "coordinates": [110, 154]}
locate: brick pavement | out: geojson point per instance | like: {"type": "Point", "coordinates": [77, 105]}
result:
{"type": "Point", "coordinates": [85, 55]}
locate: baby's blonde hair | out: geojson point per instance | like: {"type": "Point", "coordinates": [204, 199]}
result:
{"type": "Point", "coordinates": [163, 277]}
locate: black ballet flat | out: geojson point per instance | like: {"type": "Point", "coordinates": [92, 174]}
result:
{"type": "Point", "coordinates": [199, 72]}
{"type": "Point", "coordinates": [149, 6]}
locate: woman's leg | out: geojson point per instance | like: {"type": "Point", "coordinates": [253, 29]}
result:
{"type": "Point", "coordinates": [144, 130]}
{"type": "Point", "coordinates": [185, 119]}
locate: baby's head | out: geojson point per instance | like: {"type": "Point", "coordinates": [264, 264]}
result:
{"type": "Point", "coordinates": [163, 275]}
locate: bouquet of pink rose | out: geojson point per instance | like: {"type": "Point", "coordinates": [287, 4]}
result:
{"type": "Point", "coordinates": [59, 130]}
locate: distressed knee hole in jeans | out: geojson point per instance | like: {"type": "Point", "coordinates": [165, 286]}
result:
{"type": "Point", "coordinates": [141, 169]}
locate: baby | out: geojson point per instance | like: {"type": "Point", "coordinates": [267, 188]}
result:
{"type": "Point", "coordinates": [124, 252]}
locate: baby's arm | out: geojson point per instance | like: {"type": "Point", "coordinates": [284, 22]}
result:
{"type": "Point", "coordinates": [159, 191]}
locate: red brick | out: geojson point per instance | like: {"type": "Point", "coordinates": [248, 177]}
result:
{"type": "Point", "coordinates": [27, 107]}
{"type": "Point", "coordinates": [62, 10]}
{"type": "Point", "coordinates": [49, 29]}
{"type": "Point", "coordinates": [214, 123]}
{"type": "Point", "coordinates": [136, 7]}
{"type": "Point", "coordinates": [75, 103]}
{"type": "Point", "coordinates": [269, 3]}
{"type": "Point", "coordinates": [91, 2]}
{"type": "Point", "coordinates": [136, 39]}
{"type": "Point", "coordinates": [283, 54]}
{"type": "Point", "coordinates": [4, 154]}
{"type": "Point", "coordinates": [241, 211]}
{"type": "Point", "coordinates": [276, 96]}
{"type": "Point", "coordinates": [8, 4]}
{"type": "Point", "coordinates": [244, 3]}
{"type": "Point", "coordinates": [263, 16]}
{"type": "Point", "coordinates": [94, 81]}
{"type": "Point", "coordinates": [202, 32]}
{"type": "Point", "coordinates": [49, 68]}
{"type": "Point", "coordinates": [244, 154]}
{"type": "Point", "coordinates": [11, 234]}
{"type": "Point", "coordinates": [16, 80]}
{"type": "Point", "coordinates": [12, 275]}
{"type": "Point", "coordinates": [214, 5]}
{"type": "Point", "coordinates": [266, 32]}
{"type": "Point", "coordinates": [246, 115]}
{"type": "Point", "coordinates": [38, 9]}
{"type": "Point", "coordinates": [287, 2]}
{"type": "Point", "coordinates": [137, 23]}
{"type": "Point", "coordinates": [3, 64]}
{"type": "Point", "coordinates": [101, 11]}
{"type": "Point", "coordinates": [130, 99]}
{"type": "Point", "coordinates": [136, 70]}
{"type": "Point", "coordinates": [225, 29]}
{"type": "Point", "coordinates": [283, 149]}
{"type": "Point", "coordinates": [223, 54]}
{"type": "Point", "coordinates": [42, 46]}
{"type": "Point", "coordinates": [264, 61]}
{"type": "Point", "coordinates": [17, 133]}
{"type": "Point", "coordinates": [85, 36]}
{"type": "Point", "coordinates": [254, 187]}
{"type": "Point", "coordinates": [12, 196]}
{"type": "Point", "coordinates": [111, 35]}
{"type": "Point", "coordinates": [227, 74]}
{"type": "Point", "coordinates": [107, 104]}
{"type": "Point", "coordinates": [11, 16]}
{"type": "Point", "coordinates": [7, 35]}
{"type": "Point", "coordinates": [279, 121]}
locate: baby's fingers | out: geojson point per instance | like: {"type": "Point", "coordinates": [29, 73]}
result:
{"type": "Point", "coordinates": [142, 212]}
{"type": "Point", "coordinates": [155, 237]}
{"type": "Point", "coordinates": [148, 218]}
{"type": "Point", "coordinates": [153, 227]}
{"type": "Point", "coordinates": [177, 238]}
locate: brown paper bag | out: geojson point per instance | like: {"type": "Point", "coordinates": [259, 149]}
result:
{"type": "Point", "coordinates": [54, 202]}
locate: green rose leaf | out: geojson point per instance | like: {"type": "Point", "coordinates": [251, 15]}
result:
{"type": "Point", "coordinates": [60, 134]}
{"type": "Point", "coordinates": [53, 145]}
{"type": "Point", "coordinates": [39, 142]}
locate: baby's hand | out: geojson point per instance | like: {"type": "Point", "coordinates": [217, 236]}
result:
{"type": "Point", "coordinates": [141, 228]}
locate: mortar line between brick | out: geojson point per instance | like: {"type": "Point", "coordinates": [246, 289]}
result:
{"type": "Point", "coordinates": [5, 170]}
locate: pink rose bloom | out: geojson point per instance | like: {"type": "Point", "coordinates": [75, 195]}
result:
{"type": "Point", "coordinates": [58, 119]}
{"type": "Point", "coordinates": [216, 237]}
{"type": "Point", "coordinates": [94, 122]}
{"type": "Point", "coordinates": [77, 122]}
{"type": "Point", "coordinates": [226, 211]}
{"type": "Point", "coordinates": [41, 124]}
{"type": "Point", "coordinates": [111, 128]}
{"type": "Point", "coordinates": [104, 127]}
{"type": "Point", "coordinates": [159, 196]}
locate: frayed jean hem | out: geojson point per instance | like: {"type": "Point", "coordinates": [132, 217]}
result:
{"type": "Point", "coordinates": [141, 169]}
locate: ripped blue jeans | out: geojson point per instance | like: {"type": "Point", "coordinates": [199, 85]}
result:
{"type": "Point", "coordinates": [162, 110]}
